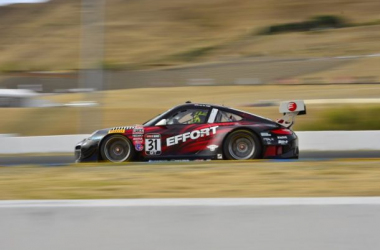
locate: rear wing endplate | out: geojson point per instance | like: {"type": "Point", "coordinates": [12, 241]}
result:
{"type": "Point", "coordinates": [290, 109]}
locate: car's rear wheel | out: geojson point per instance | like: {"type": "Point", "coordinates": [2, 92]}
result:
{"type": "Point", "coordinates": [117, 148]}
{"type": "Point", "coordinates": [242, 145]}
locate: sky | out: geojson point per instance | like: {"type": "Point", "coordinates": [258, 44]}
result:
{"type": "Point", "coordinates": [6, 2]}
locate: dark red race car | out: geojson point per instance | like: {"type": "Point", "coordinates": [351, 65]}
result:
{"type": "Point", "coordinates": [197, 131]}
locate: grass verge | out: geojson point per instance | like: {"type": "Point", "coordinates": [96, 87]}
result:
{"type": "Point", "coordinates": [193, 180]}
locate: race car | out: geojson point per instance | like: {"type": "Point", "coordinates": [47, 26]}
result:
{"type": "Point", "coordinates": [194, 131]}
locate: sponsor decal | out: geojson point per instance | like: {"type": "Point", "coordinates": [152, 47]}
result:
{"type": "Point", "coordinates": [138, 129]}
{"type": "Point", "coordinates": [137, 139]}
{"type": "Point", "coordinates": [283, 142]}
{"type": "Point", "coordinates": [212, 147]}
{"type": "Point", "coordinates": [292, 106]}
{"type": "Point", "coordinates": [282, 137]}
{"type": "Point", "coordinates": [219, 156]}
{"type": "Point", "coordinates": [265, 134]}
{"type": "Point", "coordinates": [268, 141]}
{"type": "Point", "coordinates": [139, 147]}
{"type": "Point", "coordinates": [193, 135]}
{"type": "Point", "coordinates": [153, 136]}
{"type": "Point", "coordinates": [153, 144]}
{"type": "Point", "coordinates": [202, 105]}
{"type": "Point", "coordinates": [119, 130]}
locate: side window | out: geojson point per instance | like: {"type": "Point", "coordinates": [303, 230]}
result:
{"type": "Point", "coordinates": [223, 116]}
{"type": "Point", "coordinates": [188, 116]}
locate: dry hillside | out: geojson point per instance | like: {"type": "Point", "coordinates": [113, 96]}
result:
{"type": "Point", "coordinates": [148, 33]}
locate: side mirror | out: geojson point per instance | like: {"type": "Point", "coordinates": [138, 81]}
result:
{"type": "Point", "coordinates": [161, 123]}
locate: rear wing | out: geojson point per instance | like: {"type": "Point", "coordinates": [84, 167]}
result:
{"type": "Point", "coordinates": [290, 109]}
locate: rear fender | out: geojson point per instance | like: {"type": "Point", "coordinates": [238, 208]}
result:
{"type": "Point", "coordinates": [250, 130]}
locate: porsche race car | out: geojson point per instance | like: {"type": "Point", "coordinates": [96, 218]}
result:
{"type": "Point", "coordinates": [194, 131]}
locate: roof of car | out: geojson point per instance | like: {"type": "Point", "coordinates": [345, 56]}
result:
{"type": "Point", "coordinates": [201, 105]}
{"type": "Point", "coordinates": [189, 104]}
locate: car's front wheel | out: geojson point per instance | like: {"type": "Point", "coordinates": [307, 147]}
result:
{"type": "Point", "coordinates": [117, 148]}
{"type": "Point", "coordinates": [242, 145]}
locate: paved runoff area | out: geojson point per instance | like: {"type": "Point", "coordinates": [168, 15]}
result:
{"type": "Point", "coordinates": [264, 223]}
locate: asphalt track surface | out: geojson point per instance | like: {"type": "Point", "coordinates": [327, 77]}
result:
{"type": "Point", "coordinates": [57, 160]}
{"type": "Point", "coordinates": [199, 225]}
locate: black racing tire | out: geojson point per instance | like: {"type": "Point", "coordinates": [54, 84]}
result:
{"type": "Point", "coordinates": [242, 145]}
{"type": "Point", "coordinates": [117, 148]}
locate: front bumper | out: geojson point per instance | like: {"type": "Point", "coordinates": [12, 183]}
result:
{"type": "Point", "coordinates": [87, 150]}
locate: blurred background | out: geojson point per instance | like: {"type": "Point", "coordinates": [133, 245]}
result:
{"type": "Point", "coordinates": [74, 66]}
{"type": "Point", "coordinates": [70, 67]}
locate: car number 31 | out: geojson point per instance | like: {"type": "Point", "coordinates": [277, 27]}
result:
{"type": "Point", "coordinates": [153, 144]}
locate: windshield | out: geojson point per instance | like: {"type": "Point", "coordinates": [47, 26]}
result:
{"type": "Point", "coordinates": [156, 119]}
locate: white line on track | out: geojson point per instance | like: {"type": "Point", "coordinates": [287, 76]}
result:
{"type": "Point", "coordinates": [192, 202]}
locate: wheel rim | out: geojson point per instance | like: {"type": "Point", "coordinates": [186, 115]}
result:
{"type": "Point", "coordinates": [117, 149]}
{"type": "Point", "coordinates": [242, 147]}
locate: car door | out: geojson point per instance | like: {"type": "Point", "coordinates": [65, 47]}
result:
{"type": "Point", "coordinates": [185, 133]}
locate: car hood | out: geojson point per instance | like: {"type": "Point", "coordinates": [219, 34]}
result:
{"type": "Point", "coordinates": [99, 134]}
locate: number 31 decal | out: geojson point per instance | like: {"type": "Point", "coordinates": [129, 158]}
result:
{"type": "Point", "coordinates": [153, 144]}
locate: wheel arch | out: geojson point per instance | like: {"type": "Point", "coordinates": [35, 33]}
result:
{"type": "Point", "coordinates": [107, 136]}
{"type": "Point", "coordinates": [247, 129]}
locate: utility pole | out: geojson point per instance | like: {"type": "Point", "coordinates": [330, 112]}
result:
{"type": "Point", "coordinates": [91, 75]}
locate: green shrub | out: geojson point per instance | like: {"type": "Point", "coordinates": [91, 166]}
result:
{"type": "Point", "coordinates": [317, 22]}
{"type": "Point", "coordinates": [329, 21]}
{"type": "Point", "coordinates": [350, 118]}
{"type": "Point", "coordinates": [193, 54]}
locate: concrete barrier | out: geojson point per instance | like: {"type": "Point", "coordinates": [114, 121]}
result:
{"type": "Point", "coordinates": [308, 141]}
{"type": "Point", "coordinates": [338, 140]}
{"type": "Point", "coordinates": [40, 144]}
